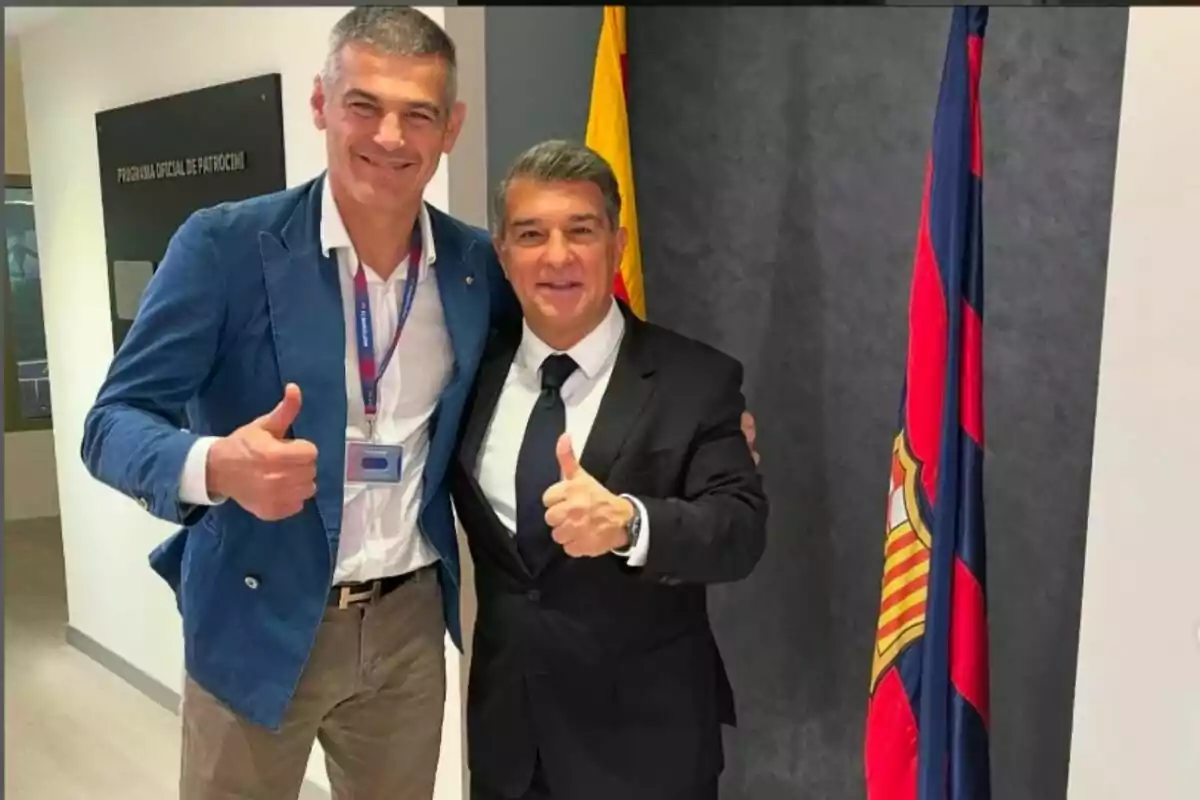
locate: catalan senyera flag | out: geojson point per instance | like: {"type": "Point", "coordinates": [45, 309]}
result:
{"type": "Point", "coordinates": [608, 135]}
{"type": "Point", "coordinates": [928, 718]}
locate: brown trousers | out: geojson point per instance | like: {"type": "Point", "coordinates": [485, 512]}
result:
{"type": "Point", "coordinates": [373, 694]}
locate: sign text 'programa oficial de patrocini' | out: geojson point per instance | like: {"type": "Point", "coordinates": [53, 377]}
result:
{"type": "Point", "coordinates": [183, 167]}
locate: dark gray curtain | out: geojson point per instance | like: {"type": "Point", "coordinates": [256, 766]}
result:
{"type": "Point", "coordinates": [778, 158]}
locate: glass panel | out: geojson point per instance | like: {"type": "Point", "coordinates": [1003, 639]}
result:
{"type": "Point", "coordinates": [28, 330]}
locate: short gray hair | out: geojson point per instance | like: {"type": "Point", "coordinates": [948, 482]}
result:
{"type": "Point", "coordinates": [560, 160]}
{"type": "Point", "coordinates": [396, 31]}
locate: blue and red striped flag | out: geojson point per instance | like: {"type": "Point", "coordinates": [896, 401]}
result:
{"type": "Point", "coordinates": [927, 719]}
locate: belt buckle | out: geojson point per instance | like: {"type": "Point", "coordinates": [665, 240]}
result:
{"type": "Point", "coordinates": [348, 596]}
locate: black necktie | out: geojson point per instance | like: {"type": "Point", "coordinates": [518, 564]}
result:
{"type": "Point", "coordinates": [537, 465]}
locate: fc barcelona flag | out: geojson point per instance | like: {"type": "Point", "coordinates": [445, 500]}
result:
{"type": "Point", "coordinates": [927, 720]}
{"type": "Point", "coordinates": [608, 135]}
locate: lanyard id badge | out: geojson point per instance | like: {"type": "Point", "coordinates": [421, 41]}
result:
{"type": "Point", "coordinates": [371, 461]}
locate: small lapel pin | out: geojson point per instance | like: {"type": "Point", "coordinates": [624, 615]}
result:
{"type": "Point", "coordinates": [470, 279]}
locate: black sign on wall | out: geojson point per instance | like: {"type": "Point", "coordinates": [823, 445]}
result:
{"type": "Point", "coordinates": [163, 159]}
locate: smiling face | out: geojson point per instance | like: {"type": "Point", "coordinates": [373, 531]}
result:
{"type": "Point", "coordinates": [561, 253]}
{"type": "Point", "coordinates": [387, 123]}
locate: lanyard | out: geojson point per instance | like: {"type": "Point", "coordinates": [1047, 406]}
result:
{"type": "Point", "coordinates": [367, 371]}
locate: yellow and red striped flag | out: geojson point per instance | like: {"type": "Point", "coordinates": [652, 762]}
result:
{"type": "Point", "coordinates": [608, 135]}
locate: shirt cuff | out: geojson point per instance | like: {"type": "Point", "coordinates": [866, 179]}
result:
{"type": "Point", "coordinates": [636, 556]}
{"type": "Point", "coordinates": [193, 483]}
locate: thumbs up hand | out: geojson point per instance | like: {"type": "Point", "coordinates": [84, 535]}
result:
{"type": "Point", "coordinates": [750, 431]}
{"type": "Point", "coordinates": [268, 475]}
{"type": "Point", "coordinates": [585, 518]}
{"type": "Point", "coordinates": [283, 415]}
{"type": "Point", "coordinates": [567, 462]}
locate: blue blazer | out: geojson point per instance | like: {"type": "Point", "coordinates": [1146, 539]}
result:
{"type": "Point", "coordinates": [243, 303]}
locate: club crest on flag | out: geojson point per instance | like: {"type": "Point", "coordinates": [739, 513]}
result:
{"type": "Point", "coordinates": [905, 585]}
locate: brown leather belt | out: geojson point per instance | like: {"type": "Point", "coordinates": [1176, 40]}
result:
{"type": "Point", "coordinates": [345, 595]}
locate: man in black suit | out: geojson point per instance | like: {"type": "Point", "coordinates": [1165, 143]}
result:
{"type": "Point", "coordinates": [595, 674]}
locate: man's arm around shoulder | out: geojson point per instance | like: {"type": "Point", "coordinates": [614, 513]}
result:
{"type": "Point", "coordinates": [716, 530]}
{"type": "Point", "coordinates": [133, 436]}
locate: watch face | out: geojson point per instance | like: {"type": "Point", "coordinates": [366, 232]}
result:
{"type": "Point", "coordinates": [634, 527]}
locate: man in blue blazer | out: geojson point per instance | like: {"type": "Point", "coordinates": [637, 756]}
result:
{"type": "Point", "coordinates": [290, 394]}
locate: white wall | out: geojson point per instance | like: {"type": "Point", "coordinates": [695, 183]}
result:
{"type": "Point", "coordinates": [80, 63]}
{"type": "Point", "coordinates": [1137, 702]}
{"type": "Point", "coordinates": [30, 484]}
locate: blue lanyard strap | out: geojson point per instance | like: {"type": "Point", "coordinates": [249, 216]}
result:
{"type": "Point", "coordinates": [369, 375]}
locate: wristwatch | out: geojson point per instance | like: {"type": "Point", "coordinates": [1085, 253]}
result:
{"type": "Point", "coordinates": [634, 526]}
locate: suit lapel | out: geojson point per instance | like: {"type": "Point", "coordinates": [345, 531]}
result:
{"type": "Point", "coordinates": [460, 301]}
{"type": "Point", "coordinates": [307, 324]}
{"type": "Point", "coordinates": [497, 359]}
{"type": "Point", "coordinates": [465, 307]}
{"type": "Point", "coordinates": [629, 389]}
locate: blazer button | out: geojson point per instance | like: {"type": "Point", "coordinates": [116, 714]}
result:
{"type": "Point", "coordinates": [534, 595]}
{"type": "Point", "coordinates": [251, 582]}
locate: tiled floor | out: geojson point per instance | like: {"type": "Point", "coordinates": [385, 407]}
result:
{"type": "Point", "coordinates": [72, 729]}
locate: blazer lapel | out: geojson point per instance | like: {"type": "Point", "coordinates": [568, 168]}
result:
{"type": "Point", "coordinates": [497, 359]}
{"type": "Point", "coordinates": [461, 307]}
{"type": "Point", "coordinates": [629, 389]}
{"type": "Point", "coordinates": [465, 309]}
{"type": "Point", "coordinates": [304, 298]}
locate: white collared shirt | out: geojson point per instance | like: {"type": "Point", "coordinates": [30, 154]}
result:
{"type": "Point", "coordinates": [595, 354]}
{"type": "Point", "coordinates": [379, 535]}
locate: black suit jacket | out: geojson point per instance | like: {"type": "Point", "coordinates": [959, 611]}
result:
{"type": "Point", "coordinates": [611, 672]}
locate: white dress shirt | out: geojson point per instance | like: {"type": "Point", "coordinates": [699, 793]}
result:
{"type": "Point", "coordinates": [595, 354]}
{"type": "Point", "coordinates": [379, 535]}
